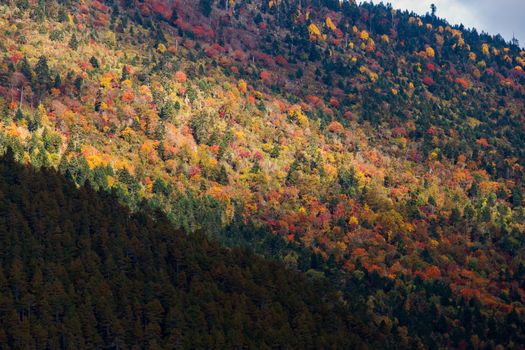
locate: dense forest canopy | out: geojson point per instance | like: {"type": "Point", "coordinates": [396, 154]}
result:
{"type": "Point", "coordinates": [377, 149]}
{"type": "Point", "coordinates": [78, 270]}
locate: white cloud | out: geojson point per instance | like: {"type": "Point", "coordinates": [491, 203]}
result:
{"type": "Point", "coordinates": [501, 16]}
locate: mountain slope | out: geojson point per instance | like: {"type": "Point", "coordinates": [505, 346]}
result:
{"type": "Point", "coordinates": [78, 270]}
{"type": "Point", "coordinates": [386, 143]}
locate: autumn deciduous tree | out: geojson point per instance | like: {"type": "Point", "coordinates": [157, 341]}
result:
{"type": "Point", "coordinates": [428, 81]}
{"type": "Point", "coordinates": [266, 77]}
{"type": "Point", "coordinates": [180, 77]}
{"type": "Point", "coordinates": [330, 24]}
{"type": "Point", "coordinates": [430, 52]}
{"type": "Point", "coordinates": [242, 86]}
{"type": "Point", "coordinates": [463, 82]}
{"type": "Point", "coordinates": [336, 127]}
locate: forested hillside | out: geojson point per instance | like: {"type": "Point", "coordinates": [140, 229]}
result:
{"type": "Point", "coordinates": [378, 149]}
{"type": "Point", "coordinates": [79, 271]}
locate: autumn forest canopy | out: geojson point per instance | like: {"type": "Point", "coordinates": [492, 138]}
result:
{"type": "Point", "coordinates": [302, 174]}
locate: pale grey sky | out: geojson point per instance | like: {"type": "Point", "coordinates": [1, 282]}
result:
{"type": "Point", "coordinates": [492, 16]}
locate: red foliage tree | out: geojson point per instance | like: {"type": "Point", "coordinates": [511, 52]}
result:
{"type": "Point", "coordinates": [428, 81]}
{"type": "Point", "coordinates": [180, 77]}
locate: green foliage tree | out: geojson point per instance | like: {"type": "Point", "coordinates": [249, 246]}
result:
{"type": "Point", "coordinates": [19, 115]}
{"type": "Point", "coordinates": [94, 62]}
{"type": "Point", "coordinates": [26, 70]}
{"type": "Point", "coordinates": [73, 42]}
{"type": "Point", "coordinates": [206, 7]}
{"type": "Point", "coordinates": [57, 83]}
{"type": "Point", "coordinates": [433, 9]}
{"type": "Point", "coordinates": [23, 4]}
{"type": "Point", "coordinates": [43, 76]}
{"type": "Point", "coordinates": [78, 83]}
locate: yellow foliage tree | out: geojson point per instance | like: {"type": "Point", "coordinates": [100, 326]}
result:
{"type": "Point", "coordinates": [106, 79]}
{"type": "Point", "coordinates": [148, 146]}
{"type": "Point", "coordinates": [314, 31]}
{"type": "Point", "coordinates": [243, 87]}
{"type": "Point", "coordinates": [330, 24]}
{"type": "Point", "coordinates": [430, 52]}
{"type": "Point", "coordinates": [161, 48]}
{"type": "Point", "coordinates": [295, 113]}
{"type": "Point", "coordinates": [485, 49]}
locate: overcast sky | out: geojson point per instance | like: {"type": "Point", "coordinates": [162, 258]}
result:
{"type": "Point", "coordinates": [492, 16]}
